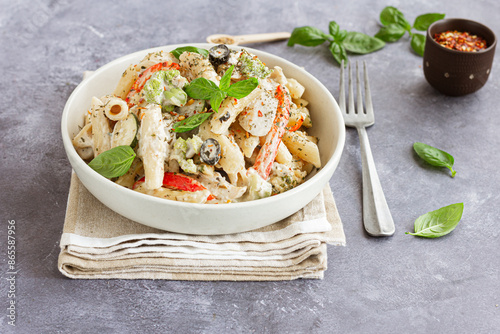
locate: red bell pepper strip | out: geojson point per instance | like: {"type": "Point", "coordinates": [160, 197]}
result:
{"type": "Point", "coordinates": [146, 75]}
{"type": "Point", "coordinates": [181, 182]}
{"type": "Point", "coordinates": [268, 151]}
{"type": "Point", "coordinates": [178, 181]}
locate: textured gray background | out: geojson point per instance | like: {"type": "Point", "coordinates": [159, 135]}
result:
{"type": "Point", "coordinates": [400, 284]}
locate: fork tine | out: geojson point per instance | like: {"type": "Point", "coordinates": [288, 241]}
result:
{"type": "Point", "coordinates": [351, 110]}
{"type": "Point", "coordinates": [342, 89]}
{"type": "Point", "coordinates": [368, 95]}
{"type": "Point", "coordinates": [359, 101]}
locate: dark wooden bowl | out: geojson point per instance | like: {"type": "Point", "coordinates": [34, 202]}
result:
{"type": "Point", "coordinates": [453, 72]}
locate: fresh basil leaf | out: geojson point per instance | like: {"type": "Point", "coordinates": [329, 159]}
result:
{"type": "Point", "coordinates": [201, 89]}
{"type": "Point", "coordinates": [242, 88]}
{"type": "Point", "coordinates": [418, 43]}
{"type": "Point", "coordinates": [307, 36]}
{"type": "Point", "coordinates": [177, 52]}
{"type": "Point", "coordinates": [341, 35]}
{"type": "Point", "coordinates": [391, 15]}
{"type": "Point", "coordinates": [338, 52]}
{"type": "Point", "coordinates": [435, 156]}
{"type": "Point", "coordinates": [191, 122]}
{"type": "Point", "coordinates": [422, 22]}
{"type": "Point", "coordinates": [225, 81]}
{"type": "Point", "coordinates": [114, 162]}
{"type": "Point", "coordinates": [357, 42]}
{"type": "Point", "coordinates": [216, 99]}
{"type": "Point", "coordinates": [440, 222]}
{"type": "Point", "coordinates": [390, 33]}
{"type": "Point", "coordinates": [333, 28]}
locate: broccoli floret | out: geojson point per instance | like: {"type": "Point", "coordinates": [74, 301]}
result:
{"type": "Point", "coordinates": [184, 150]}
{"type": "Point", "coordinates": [165, 89]}
{"type": "Point", "coordinates": [251, 66]}
{"type": "Point", "coordinates": [257, 186]}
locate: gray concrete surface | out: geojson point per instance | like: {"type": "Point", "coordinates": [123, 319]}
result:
{"type": "Point", "coordinates": [400, 284]}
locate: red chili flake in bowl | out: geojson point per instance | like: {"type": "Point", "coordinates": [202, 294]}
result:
{"type": "Point", "coordinates": [461, 41]}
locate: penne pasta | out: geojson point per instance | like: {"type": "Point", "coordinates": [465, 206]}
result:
{"type": "Point", "coordinates": [84, 138]}
{"type": "Point", "coordinates": [301, 146]}
{"type": "Point", "coordinates": [152, 146]}
{"type": "Point", "coordinates": [284, 156]}
{"type": "Point", "coordinates": [194, 65]}
{"type": "Point", "coordinates": [126, 81]}
{"type": "Point", "coordinates": [245, 141]}
{"type": "Point", "coordinates": [101, 129]}
{"type": "Point", "coordinates": [115, 108]}
{"type": "Point", "coordinates": [295, 88]}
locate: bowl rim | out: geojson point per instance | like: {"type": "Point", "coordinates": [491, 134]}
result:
{"type": "Point", "coordinates": [329, 166]}
{"type": "Point", "coordinates": [466, 21]}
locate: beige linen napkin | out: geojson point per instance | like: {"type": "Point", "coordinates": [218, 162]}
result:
{"type": "Point", "coordinates": [99, 243]}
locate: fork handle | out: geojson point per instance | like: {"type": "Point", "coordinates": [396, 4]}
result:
{"type": "Point", "coordinates": [376, 215]}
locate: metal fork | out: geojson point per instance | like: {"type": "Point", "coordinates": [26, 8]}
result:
{"type": "Point", "coordinates": [377, 217]}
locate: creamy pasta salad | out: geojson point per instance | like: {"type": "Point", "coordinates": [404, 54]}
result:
{"type": "Point", "coordinates": [201, 126]}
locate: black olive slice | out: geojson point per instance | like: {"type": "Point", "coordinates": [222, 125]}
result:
{"type": "Point", "coordinates": [225, 117]}
{"type": "Point", "coordinates": [218, 54]}
{"type": "Point", "coordinates": [210, 151]}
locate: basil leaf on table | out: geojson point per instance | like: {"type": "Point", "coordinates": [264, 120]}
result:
{"type": "Point", "coordinates": [191, 122]}
{"type": "Point", "coordinates": [338, 52]}
{"type": "Point", "coordinates": [435, 156]}
{"type": "Point", "coordinates": [422, 22]}
{"type": "Point", "coordinates": [440, 222]}
{"type": "Point", "coordinates": [418, 43]}
{"type": "Point", "coordinates": [177, 52]}
{"type": "Point", "coordinates": [333, 28]}
{"type": "Point", "coordinates": [307, 36]}
{"type": "Point", "coordinates": [340, 41]}
{"type": "Point", "coordinates": [114, 162]}
{"type": "Point", "coordinates": [395, 25]}
{"type": "Point", "coordinates": [357, 42]}
{"type": "Point", "coordinates": [390, 15]}
{"type": "Point", "coordinates": [390, 33]}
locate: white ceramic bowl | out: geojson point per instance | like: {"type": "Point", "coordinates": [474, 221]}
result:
{"type": "Point", "coordinates": [206, 219]}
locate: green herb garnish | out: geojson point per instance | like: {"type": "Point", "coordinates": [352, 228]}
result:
{"type": "Point", "coordinates": [440, 222]}
{"type": "Point", "coordinates": [162, 90]}
{"type": "Point", "coordinates": [177, 52]}
{"type": "Point", "coordinates": [435, 156]}
{"type": "Point", "coordinates": [191, 122]}
{"type": "Point", "coordinates": [204, 89]}
{"type": "Point", "coordinates": [114, 162]}
{"type": "Point", "coordinates": [395, 26]}
{"type": "Point", "coordinates": [340, 41]}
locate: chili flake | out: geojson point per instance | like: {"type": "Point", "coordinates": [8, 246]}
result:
{"type": "Point", "coordinates": [461, 41]}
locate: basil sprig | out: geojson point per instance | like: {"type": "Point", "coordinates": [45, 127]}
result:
{"type": "Point", "coordinates": [440, 222]}
{"type": "Point", "coordinates": [339, 41]}
{"type": "Point", "coordinates": [114, 162]}
{"type": "Point", "coordinates": [395, 25]}
{"type": "Point", "coordinates": [435, 156]}
{"type": "Point", "coordinates": [191, 122]}
{"type": "Point", "coordinates": [204, 89]}
{"type": "Point", "coordinates": [177, 52]}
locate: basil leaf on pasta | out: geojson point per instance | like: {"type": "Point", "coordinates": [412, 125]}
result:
{"type": "Point", "coordinates": [114, 162]}
{"type": "Point", "coordinates": [191, 122]}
